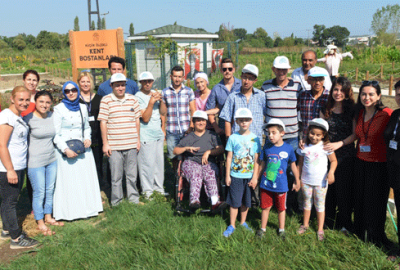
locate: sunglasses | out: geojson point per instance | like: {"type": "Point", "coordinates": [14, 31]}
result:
{"type": "Point", "coordinates": [225, 69]}
{"type": "Point", "coordinates": [373, 83]}
{"type": "Point", "coordinates": [73, 90]}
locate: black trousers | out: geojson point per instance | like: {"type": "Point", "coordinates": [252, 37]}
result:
{"type": "Point", "coordinates": [339, 202]}
{"type": "Point", "coordinates": [394, 176]}
{"type": "Point", "coordinates": [371, 196]}
{"type": "Point", "coordinates": [9, 194]}
{"type": "Point", "coordinates": [104, 182]}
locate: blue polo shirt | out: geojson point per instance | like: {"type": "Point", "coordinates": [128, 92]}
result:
{"type": "Point", "coordinates": [218, 96]}
{"type": "Point", "coordinates": [105, 88]}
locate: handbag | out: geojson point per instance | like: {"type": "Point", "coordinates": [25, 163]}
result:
{"type": "Point", "coordinates": [77, 145]}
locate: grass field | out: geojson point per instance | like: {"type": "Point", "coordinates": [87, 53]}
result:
{"type": "Point", "coordinates": [153, 236]}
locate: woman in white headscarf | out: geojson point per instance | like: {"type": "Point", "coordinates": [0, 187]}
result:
{"type": "Point", "coordinates": [332, 60]}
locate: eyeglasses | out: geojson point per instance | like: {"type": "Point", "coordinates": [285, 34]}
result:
{"type": "Point", "coordinates": [373, 83]}
{"type": "Point", "coordinates": [72, 90]}
{"type": "Point", "coordinates": [225, 69]}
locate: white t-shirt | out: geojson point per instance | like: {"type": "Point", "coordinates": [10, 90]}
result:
{"type": "Point", "coordinates": [315, 165]}
{"type": "Point", "coordinates": [18, 142]}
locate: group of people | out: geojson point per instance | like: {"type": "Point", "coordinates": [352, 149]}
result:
{"type": "Point", "coordinates": [308, 122]}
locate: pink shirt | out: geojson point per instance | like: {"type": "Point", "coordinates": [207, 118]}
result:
{"type": "Point", "coordinates": [200, 104]}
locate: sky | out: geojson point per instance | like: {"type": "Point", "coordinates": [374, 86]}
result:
{"type": "Point", "coordinates": [281, 16]}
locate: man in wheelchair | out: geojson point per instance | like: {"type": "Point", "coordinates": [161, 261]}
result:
{"type": "Point", "coordinates": [200, 149]}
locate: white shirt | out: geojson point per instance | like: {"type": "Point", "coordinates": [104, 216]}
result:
{"type": "Point", "coordinates": [315, 165]}
{"type": "Point", "coordinates": [332, 62]}
{"type": "Point", "coordinates": [18, 143]}
{"type": "Point", "coordinates": [298, 76]}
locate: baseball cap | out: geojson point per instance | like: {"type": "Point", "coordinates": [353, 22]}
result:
{"type": "Point", "coordinates": [273, 122]}
{"type": "Point", "coordinates": [146, 76]}
{"type": "Point", "coordinates": [117, 77]}
{"type": "Point", "coordinates": [317, 72]}
{"type": "Point", "coordinates": [200, 114]}
{"type": "Point", "coordinates": [319, 122]}
{"type": "Point", "coordinates": [252, 69]}
{"type": "Point", "coordinates": [243, 113]}
{"type": "Point", "coordinates": [281, 62]}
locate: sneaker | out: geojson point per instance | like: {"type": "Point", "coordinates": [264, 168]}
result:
{"type": "Point", "coordinates": [282, 235]}
{"type": "Point", "coordinates": [5, 235]}
{"type": "Point", "coordinates": [345, 231]}
{"type": "Point", "coordinates": [302, 229]}
{"type": "Point", "coordinates": [246, 227]}
{"type": "Point", "coordinates": [228, 231]}
{"type": "Point", "coordinates": [23, 242]}
{"type": "Point", "coordinates": [219, 206]}
{"type": "Point", "coordinates": [321, 235]}
{"type": "Point", "coordinates": [195, 205]}
{"type": "Point", "coordinates": [260, 233]}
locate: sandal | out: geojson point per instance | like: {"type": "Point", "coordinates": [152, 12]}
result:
{"type": "Point", "coordinates": [46, 231]}
{"type": "Point", "coordinates": [54, 222]}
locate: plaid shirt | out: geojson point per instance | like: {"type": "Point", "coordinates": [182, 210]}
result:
{"type": "Point", "coordinates": [256, 104]}
{"type": "Point", "coordinates": [309, 107]}
{"type": "Point", "coordinates": [178, 114]}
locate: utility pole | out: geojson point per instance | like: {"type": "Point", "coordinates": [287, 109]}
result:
{"type": "Point", "coordinates": [308, 39]}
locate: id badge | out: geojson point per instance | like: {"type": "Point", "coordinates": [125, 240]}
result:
{"type": "Point", "coordinates": [91, 118]}
{"type": "Point", "coordinates": [365, 148]}
{"type": "Point", "coordinates": [393, 144]}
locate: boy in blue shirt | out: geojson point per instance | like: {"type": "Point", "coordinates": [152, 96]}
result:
{"type": "Point", "coordinates": [275, 158]}
{"type": "Point", "coordinates": [243, 150]}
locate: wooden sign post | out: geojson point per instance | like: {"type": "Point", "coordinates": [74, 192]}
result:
{"type": "Point", "coordinates": [93, 49]}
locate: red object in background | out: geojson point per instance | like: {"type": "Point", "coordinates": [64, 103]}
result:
{"type": "Point", "coordinates": [192, 60]}
{"type": "Point", "coordinates": [216, 59]}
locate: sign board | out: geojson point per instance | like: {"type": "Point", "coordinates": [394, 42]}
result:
{"type": "Point", "coordinates": [93, 49]}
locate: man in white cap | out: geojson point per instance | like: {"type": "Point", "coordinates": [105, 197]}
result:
{"type": "Point", "coordinates": [248, 97]}
{"type": "Point", "coordinates": [332, 60]}
{"type": "Point", "coordinates": [308, 60]}
{"type": "Point", "coordinates": [152, 122]}
{"type": "Point", "coordinates": [281, 98]}
{"type": "Point", "coordinates": [311, 102]}
{"type": "Point", "coordinates": [119, 118]}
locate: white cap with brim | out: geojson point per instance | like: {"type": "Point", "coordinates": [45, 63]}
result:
{"type": "Point", "coordinates": [200, 114]}
{"type": "Point", "coordinates": [243, 113]}
{"type": "Point", "coordinates": [117, 77]}
{"type": "Point", "coordinates": [281, 62]}
{"type": "Point", "coordinates": [274, 122]}
{"type": "Point", "coordinates": [317, 72]}
{"type": "Point", "coordinates": [319, 122]}
{"type": "Point", "coordinates": [146, 76]}
{"type": "Point", "coordinates": [252, 69]}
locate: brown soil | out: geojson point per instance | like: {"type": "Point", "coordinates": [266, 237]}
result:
{"type": "Point", "coordinates": [10, 81]}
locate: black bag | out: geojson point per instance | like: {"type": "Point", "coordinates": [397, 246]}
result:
{"type": "Point", "coordinates": [77, 145]}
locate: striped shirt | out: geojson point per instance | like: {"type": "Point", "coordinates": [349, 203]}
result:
{"type": "Point", "coordinates": [178, 114]}
{"type": "Point", "coordinates": [282, 104]}
{"type": "Point", "coordinates": [120, 115]}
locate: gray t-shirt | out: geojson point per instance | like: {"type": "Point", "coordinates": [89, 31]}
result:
{"type": "Point", "coordinates": [207, 141]}
{"type": "Point", "coordinates": [41, 134]}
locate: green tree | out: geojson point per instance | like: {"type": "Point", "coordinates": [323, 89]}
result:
{"type": "Point", "coordinates": [269, 42]}
{"type": "Point", "coordinates": [19, 42]}
{"type": "Point", "coordinates": [338, 33]}
{"type": "Point", "coordinates": [48, 40]}
{"type": "Point", "coordinates": [76, 24]}
{"type": "Point", "coordinates": [278, 42]}
{"type": "Point", "coordinates": [288, 41]}
{"type": "Point", "coordinates": [318, 34]}
{"type": "Point", "coordinates": [131, 30]}
{"type": "Point", "coordinates": [225, 33]}
{"type": "Point", "coordinates": [93, 26]}
{"type": "Point", "coordinates": [103, 23]}
{"type": "Point", "coordinates": [240, 33]}
{"type": "Point", "coordinates": [386, 21]}
{"type": "Point", "coordinates": [3, 44]}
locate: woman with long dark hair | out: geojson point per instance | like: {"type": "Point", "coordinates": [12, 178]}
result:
{"type": "Point", "coordinates": [339, 113]}
{"type": "Point", "coordinates": [371, 178]}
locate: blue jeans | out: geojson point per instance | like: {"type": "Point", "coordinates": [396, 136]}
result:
{"type": "Point", "coordinates": [172, 141]}
{"type": "Point", "coordinates": [43, 180]}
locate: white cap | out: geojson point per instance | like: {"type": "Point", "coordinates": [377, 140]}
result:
{"type": "Point", "coordinates": [281, 62]}
{"type": "Point", "coordinates": [200, 114]}
{"type": "Point", "coordinates": [273, 122]}
{"type": "Point", "coordinates": [243, 113]}
{"type": "Point", "coordinates": [146, 76]}
{"type": "Point", "coordinates": [319, 122]}
{"type": "Point", "coordinates": [252, 69]}
{"type": "Point", "coordinates": [117, 77]}
{"type": "Point", "coordinates": [317, 72]}
{"type": "Point", "coordinates": [330, 48]}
